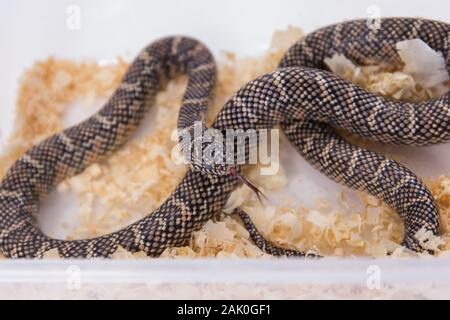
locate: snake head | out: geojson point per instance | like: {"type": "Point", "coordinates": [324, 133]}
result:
{"type": "Point", "coordinates": [208, 157]}
{"type": "Point", "coordinates": [204, 149]}
{"type": "Point", "coordinates": [210, 168]}
{"type": "Point", "coordinates": [223, 170]}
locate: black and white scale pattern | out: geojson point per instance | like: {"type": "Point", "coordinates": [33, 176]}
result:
{"type": "Point", "coordinates": [308, 102]}
{"type": "Point", "coordinates": [304, 101]}
{"type": "Point", "coordinates": [194, 201]}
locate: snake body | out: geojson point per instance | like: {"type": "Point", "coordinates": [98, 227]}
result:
{"type": "Point", "coordinates": [309, 101]}
{"type": "Point", "coordinates": [193, 202]}
{"type": "Point", "coordinates": [306, 101]}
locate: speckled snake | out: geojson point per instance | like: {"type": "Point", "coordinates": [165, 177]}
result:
{"type": "Point", "coordinates": [304, 99]}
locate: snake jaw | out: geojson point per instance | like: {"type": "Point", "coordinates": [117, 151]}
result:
{"type": "Point", "coordinates": [248, 183]}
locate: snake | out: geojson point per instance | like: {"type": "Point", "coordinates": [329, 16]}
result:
{"type": "Point", "coordinates": [301, 96]}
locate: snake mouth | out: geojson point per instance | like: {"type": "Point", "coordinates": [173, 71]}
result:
{"type": "Point", "coordinates": [248, 183]}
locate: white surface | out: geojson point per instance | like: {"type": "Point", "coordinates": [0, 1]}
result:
{"type": "Point", "coordinates": [249, 279]}
{"type": "Point", "coordinates": [32, 30]}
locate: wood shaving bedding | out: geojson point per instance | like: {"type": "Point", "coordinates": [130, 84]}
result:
{"type": "Point", "coordinates": [136, 179]}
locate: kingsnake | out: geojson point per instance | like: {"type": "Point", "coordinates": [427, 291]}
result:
{"type": "Point", "coordinates": [301, 97]}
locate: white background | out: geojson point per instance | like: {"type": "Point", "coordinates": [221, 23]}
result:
{"type": "Point", "coordinates": [35, 29]}
{"type": "Point", "coordinates": [32, 30]}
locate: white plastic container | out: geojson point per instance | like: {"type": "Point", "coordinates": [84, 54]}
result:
{"type": "Point", "coordinates": [227, 279]}
{"type": "Point", "coordinates": [32, 30]}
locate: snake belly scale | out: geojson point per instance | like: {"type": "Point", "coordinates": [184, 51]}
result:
{"type": "Point", "coordinates": [306, 101]}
